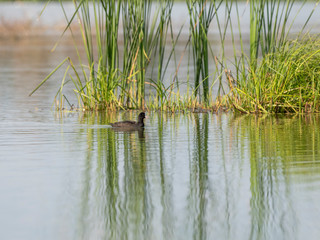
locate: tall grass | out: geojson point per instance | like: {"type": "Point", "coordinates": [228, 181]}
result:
{"type": "Point", "coordinates": [269, 37]}
{"type": "Point", "coordinates": [144, 35]}
{"type": "Point", "coordinates": [97, 81]}
{"type": "Point", "coordinates": [287, 80]}
{"type": "Point", "coordinates": [136, 19]}
{"type": "Point", "coordinates": [102, 82]}
{"type": "Point", "coordinates": [268, 26]}
{"type": "Point", "coordinates": [201, 14]}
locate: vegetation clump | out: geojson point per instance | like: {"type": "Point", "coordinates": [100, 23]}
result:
{"type": "Point", "coordinates": [278, 76]}
{"type": "Point", "coordinates": [286, 80]}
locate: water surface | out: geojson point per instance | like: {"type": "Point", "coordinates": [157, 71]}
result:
{"type": "Point", "coordinates": [186, 176]}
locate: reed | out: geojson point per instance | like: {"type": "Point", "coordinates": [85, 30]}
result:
{"type": "Point", "coordinates": [286, 80]}
{"type": "Point", "coordinates": [268, 26]}
{"type": "Point", "coordinates": [97, 80]}
{"type": "Point", "coordinates": [102, 82]}
{"type": "Point", "coordinates": [269, 35]}
{"type": "Point", "coordinates": [136, 19]}
{"type": "Point", "coordinates": [145, 35]}
{"type": "Point", "coordinates": [201, 14]}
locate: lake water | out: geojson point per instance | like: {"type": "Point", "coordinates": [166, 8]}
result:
{"type": "Point", "coordinates": [186, 176]}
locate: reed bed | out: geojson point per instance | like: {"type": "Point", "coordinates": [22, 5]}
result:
{"type": "Point", "coordinates": [285, 81]}
{"type": "Point", "coordinates": [279, 75]}
{"type": "Point", "coordinates": [267, 81]}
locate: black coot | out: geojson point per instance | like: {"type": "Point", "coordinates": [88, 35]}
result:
{"type": "Point", "coordinates": [130, 124]}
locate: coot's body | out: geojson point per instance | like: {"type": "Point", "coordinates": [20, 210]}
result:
{"type": "Point", "coordinates": [130, 124]}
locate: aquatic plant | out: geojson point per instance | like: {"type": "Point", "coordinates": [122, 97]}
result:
{"type": "Point", "coordinates": [269, 36]}
{"type": "Point", "coordinates": [102, 82]}
{"type": "Point", "coordinates": [269, 25]}
{"type": "Point", "coordinates": [144, 35]}
{"type": "Point", "coordinates": [286, 80]}
{"type": "Point", "coordinates": [201, 14]}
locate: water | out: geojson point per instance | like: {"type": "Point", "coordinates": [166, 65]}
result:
{"type": "Point", "coordinates": [186, 176]}
{"type": "Point", "coordinates": [193, 176]}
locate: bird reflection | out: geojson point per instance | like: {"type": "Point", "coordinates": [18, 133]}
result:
{"type": "Point", "coordinates": [129, 131]}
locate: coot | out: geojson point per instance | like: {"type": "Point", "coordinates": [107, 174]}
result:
{"type": "Point", "coordinates": [130, 124]}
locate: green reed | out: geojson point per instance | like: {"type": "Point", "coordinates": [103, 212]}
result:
{"type": "Point", "coordinates": [201, 14]}
{"type": "Point", "coordinates": [288, 80]}
{"type": "Point", "coordinates": [96, 81]}
{"type": "Point", "coordinates": [268, 26]}
{"type": "Point", "coordinates": [136, 18]}
{"type": "Point", "coordinates": [102, 82]}
{"type": "Point", "coordinates": [144, 36]}
{"type": "Point", "coordinates": [255, 88]}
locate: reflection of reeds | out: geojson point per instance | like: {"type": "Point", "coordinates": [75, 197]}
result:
{"type": "Point", "coordinates": [276, 158]}
{"type": "Point", "coordinates": [128, 185]}
{"type": "Point", "coordinates": [196, 171]}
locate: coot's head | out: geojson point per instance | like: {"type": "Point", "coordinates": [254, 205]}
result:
{"type": "Point", "coordinates": [141, 116]}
